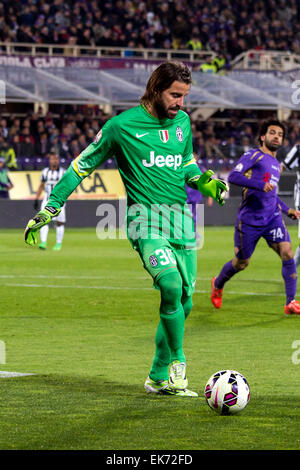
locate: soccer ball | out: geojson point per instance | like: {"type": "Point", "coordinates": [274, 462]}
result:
{"type": "Point", "coordinates": [227, 392]}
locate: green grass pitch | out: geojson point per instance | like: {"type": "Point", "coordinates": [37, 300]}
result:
{"type": "Point", "coordinates": [83, 321]}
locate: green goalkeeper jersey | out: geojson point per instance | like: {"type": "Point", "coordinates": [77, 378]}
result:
{"type": "Point", "coordinates": [155, 160]}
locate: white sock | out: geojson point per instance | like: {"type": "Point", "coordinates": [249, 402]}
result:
{"type": "Point", "coordinates": [44, 233]}
{"type": "Point", "coordinates": [60, 230]}
{"type": "Point", "coordinates": [297, 256]}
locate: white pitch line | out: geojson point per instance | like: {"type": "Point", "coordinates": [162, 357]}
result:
{"type": "Point", "coordinates": [51, 286]}
{"type": "Point", "coordinates": [6, 374]}
{"type": "Point", "coordinates": [62, 276]}
{"type": "Point", "coordinates": [47, 276]}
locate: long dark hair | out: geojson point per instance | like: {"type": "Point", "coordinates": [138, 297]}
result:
{"type": "Point", "coordinates": [265, 126]}
{"type": "Point", "coordinates": [163, 77]}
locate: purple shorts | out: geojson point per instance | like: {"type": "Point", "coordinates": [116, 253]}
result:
{"type": "Point", "coordinates": [247, 236]}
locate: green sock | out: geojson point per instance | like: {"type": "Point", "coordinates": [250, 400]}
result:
{"type": "Point", "coordinates": [170, 331]}
{"type": "Point", "coordinates": [173, 325]}
{"type": "Point", "coordinates": [169, 343]}
{"type": "Point", "coordinates": [162, 358]}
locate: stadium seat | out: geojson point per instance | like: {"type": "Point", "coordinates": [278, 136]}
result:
{"type": "Point", "coordinates": [40, 163]}
{"type": "Point", "coordinates": [220, 163]}
{"type": "Point", "coordinates": [110, 164]}
{"type": "Point", "coordinates": [28, 164]}
{"type": "Point", "coordinates": [211, 163]}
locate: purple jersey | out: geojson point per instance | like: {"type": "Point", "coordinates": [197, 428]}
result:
{"type": "Point", "coordinates": [193, 195]}
{"type": "Point", "coordinates": [253, 170]}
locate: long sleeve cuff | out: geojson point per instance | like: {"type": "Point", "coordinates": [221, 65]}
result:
{"type": "Point", "coordinates": [191, 170]}
{"type": "Point", "coordinates": [284, 208]}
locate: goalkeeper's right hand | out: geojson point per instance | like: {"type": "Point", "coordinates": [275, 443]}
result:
{"type": "Point", "coordinates": [41, 218]}
{"type": "Point", "coordinates": [213, 187]}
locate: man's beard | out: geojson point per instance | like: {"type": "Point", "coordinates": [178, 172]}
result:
{"type": "Point", "coordinates": [271, 146]}
{"type": "Point", "coordinates": [161, 110]}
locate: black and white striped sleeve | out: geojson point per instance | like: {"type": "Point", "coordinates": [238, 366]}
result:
{"type": "Point", "coordinates": [44, 175]}
{"type": "Point", "coordinates": [291, 161]}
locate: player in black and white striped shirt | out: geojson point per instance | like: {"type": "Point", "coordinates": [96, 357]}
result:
{"type": "Point", "coordinates": [292, 162]}
{"type": "Point", "coordinates": [49, 177]}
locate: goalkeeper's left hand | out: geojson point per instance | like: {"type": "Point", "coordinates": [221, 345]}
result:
{"type": "Point", "coordinates": [41, 218]}
{"type": "Point", "coordinates": [215, 188]}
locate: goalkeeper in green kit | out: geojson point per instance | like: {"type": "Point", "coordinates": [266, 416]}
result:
{"type": "Point", "coordinates": [152, 145]}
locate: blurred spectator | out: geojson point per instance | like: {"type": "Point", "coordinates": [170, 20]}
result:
{"type": "Point", "coordinates": [82, 142]}
{"type": "Point", "coordinates": [15, 128]}
{"type": "Point", "coordinates": [25, 34]}
{"type": "Point", "coordinates": [26, 134]}
{"type": "Point", "coordinates": [17, 145]}
{"type": "Point", "coordinates": [105, 39]}
{"type": "Point", "coordinates": [220, 62]}
{"type": "Point", "coordinates": [5, 182]}
{"type": "Point", "coordinates": [180, 30]}
{"type": "Point", "coordinates": [4, 129]}
{"type": "Point", "coordinates": [40, 128]}
{"type": "Point", "coordinates": [245, 144]}
{"type": "Point", "coordinates": [8, 153]}
{"type": "Point", "coordinates": [72, 41]}
{"type": "Point", "coordinates": [64, 149]}
{"type": "Point", "coordinates": [74, 147]}
{"type": "Point", "coordinates": [199, 147]}
{"type": "Point", "coordinates": [54, 145]}
{"type": "Point", "coordinates": [129, 49]}
{"type": "Point", "coordinates": [27, 147]}
{"type": "Point", "coordinates": [194, 43]}
{"type": "Point", "coordinates": [212, 148]}
{"type": "Point", "coordinates": [86, 39]}
{"type": "Point", "coordinates": [231, 149]}
{"type": "Point", "coordinates": [42, 146]}
{"type": "Point", "coordinates": [208, 66]}
{"type": "Point", "coordinates": [49, 123]}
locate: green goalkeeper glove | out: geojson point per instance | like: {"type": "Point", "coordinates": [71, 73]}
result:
{"type": "Point", "coordinates": [41, 218]}
{"type": "Point", "coordinates": [207, 186]}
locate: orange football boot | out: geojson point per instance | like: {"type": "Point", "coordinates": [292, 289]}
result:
{"type": "Point", "coordinates": [292, 308]}
{"type": "Point", "coordinates": [216, 295]}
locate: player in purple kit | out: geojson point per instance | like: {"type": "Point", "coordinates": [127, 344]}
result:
{"type": "Point", "coordinates": [194, 199]}
{"type": "Point", "coordinates": [260, 215]}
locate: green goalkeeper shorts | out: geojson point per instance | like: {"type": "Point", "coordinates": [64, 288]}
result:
{"type": "Point", "coordinates": [160, 257]}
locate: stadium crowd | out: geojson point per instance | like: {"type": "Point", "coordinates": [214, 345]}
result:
{"type": "Point", "coordinates": [25, 142]}
{"type": "Point", "coordinates": [224, 26]}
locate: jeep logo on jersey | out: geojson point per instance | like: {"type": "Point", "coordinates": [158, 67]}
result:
{"type": "Point", "coordinates": [164, 136]}
{"type": "Point", "coordinates": [160, 161]}
{"type": "Point", "coordinates": [179, 134]}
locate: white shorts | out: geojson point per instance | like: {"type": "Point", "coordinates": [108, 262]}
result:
{"type": "Point", "coordinates": [61, 216]}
